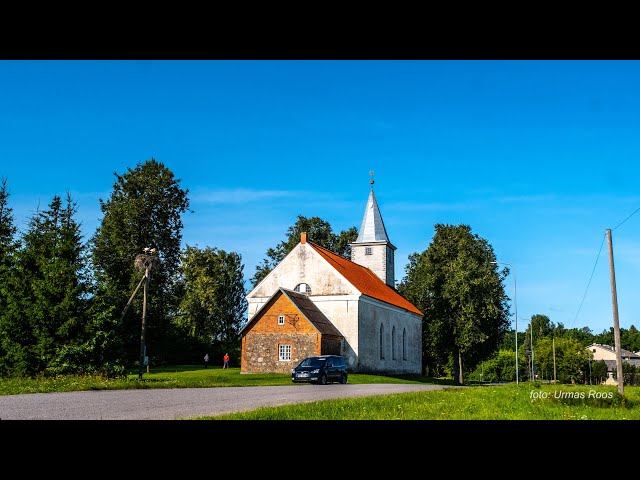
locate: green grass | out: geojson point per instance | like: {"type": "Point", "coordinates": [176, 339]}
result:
{"type": "Point", "coordinates": [504, 402]}
{"type": "Point", "coordinates": [182, 376]}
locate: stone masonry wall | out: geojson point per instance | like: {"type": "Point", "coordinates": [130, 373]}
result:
{"type": "Point", "coordinates": [260, 343]}
{"type": "Point", "coordinates": [260, 351]}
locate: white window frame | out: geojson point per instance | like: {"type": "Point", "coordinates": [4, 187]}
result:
{"type": "Point", "coordinates": [284, 352]}
{"type": "Point", "coordinates": [280, 319]}
{"type": "Point", "coordinates": [368, 251]}
{"type": "Point", "coordinates": [302, 288]}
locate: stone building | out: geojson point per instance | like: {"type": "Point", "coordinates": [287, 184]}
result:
{"type": "Point", "coordinates": [316, 302]}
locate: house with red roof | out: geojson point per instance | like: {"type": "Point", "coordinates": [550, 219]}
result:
{"type": "Point", "coordinates": [315, 302]}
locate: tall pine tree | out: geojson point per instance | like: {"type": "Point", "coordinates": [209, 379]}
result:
{"type": "Point", "coordinates": [46, 304]}
{"type": "Point", "coordinates": [8, 248]}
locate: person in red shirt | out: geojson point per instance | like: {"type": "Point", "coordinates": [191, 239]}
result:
{"type": "Point", "coordinates": [225, 361]}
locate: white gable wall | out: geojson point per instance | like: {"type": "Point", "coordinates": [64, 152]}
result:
{"type": "Point", "coordinates": [302, 265]}
{"type": "Point", "coordinates": [602, 353]}
{"type": "Point", "coordinates": [331, 293]}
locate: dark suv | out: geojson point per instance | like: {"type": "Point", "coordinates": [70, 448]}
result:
{"type": "Point", "coordinates": [321, 369]}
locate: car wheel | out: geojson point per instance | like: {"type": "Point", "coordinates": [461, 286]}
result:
{"type": "Point", "coordinates": [323, 379]}
{"type": "Point", "coordinates": [343, 378]}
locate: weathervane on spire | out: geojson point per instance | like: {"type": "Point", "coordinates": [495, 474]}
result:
{"type": "Point", "coordinates": [371, 181]}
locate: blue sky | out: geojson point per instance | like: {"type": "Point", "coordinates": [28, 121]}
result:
{"type": "Point", "coordinates": [538, 157]}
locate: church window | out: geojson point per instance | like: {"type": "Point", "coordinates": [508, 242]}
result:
{"type": "Point", "coordinates": [404, 344]}
{"type": "Point", "coordinates": [284, 352]}
{"type": "Point", "coordinates": [393, 342]}
{"type": "Point", "coordinates": [368, 251]}
{"type": "Point", "coordinates": [381, 342]}
{"type": "Point", "coordinates": [280, 319]}
{"type": "Point", "coordinates": [302, 288]}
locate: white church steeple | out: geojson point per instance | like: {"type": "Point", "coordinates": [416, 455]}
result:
{"type": "Point", "coordinates": [372, 248]}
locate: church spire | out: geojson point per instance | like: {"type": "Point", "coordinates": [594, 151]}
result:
{"type": "Point", "coordinates": [372, 228]}
{"type": "Point", "coordinates": [372, 248]}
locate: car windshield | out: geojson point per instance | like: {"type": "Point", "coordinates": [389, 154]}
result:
{"type": "Point", "coordinates": [312, 362]}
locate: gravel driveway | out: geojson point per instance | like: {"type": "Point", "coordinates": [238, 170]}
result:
{"type": "Point", "coordinates": [178, 403]}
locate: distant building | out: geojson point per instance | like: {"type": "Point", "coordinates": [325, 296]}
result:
{"type": "Point", "coordinates": [608, 354]}
{"type": "Point", "coordinates": [316, 302]}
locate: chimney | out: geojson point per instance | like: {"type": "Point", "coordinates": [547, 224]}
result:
{"type": "Point", "coordinates": [303, 237]}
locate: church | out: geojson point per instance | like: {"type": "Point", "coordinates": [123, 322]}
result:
{"type": "Point", "coordinates": [315, 302]}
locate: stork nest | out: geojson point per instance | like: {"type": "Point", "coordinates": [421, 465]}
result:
{"type": "Point", "coordinates": [144, 261]}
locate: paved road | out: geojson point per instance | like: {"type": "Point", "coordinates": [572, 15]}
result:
{"type": "Point", "coordinates": [178, 403]}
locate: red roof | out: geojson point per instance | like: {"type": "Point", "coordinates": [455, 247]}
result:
{"type": "Point", "coordinates": [367, 282]}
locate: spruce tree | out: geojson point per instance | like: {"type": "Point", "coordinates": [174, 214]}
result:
{"type": "Point", "coordinates": [8, 248]}
{"type": "Point", "coordinates": [46, 301]}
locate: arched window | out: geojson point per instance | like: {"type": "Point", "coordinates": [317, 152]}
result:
{"type": "Point", "coordinates": [381, 342]}
{"type": "Point", "coordinates": [302, 288]}
{"type": "Point", "coordinates": [393, 343]}
{"type": "Point", "coordinates": [404, 343]}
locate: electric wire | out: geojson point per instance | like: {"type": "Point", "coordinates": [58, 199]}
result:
{"type": "Point", "coordinates": [596, 263]}
{"type": "Point", "coordinates": [637, 209]}
{"type": "Point", "coordinates": [590, 278]}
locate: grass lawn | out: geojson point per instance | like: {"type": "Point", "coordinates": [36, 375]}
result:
{"type": "Point", "coordinates": [503, 402]}
{"type": "Point", "coordinates": [182, 376]}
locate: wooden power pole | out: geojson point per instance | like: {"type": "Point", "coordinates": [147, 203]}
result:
{"type": "Point", "coordinates": [554, 360]}
{"type": "Point", "coordinates": [146, 262]}
{"type": "Point", "coordinates": [143, 334]}
{"type": "Point", "coordinates": [616, 324]}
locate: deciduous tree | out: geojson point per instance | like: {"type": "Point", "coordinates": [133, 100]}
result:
{"type": "Point", "coordinates": [144, 209]}
{"type": "Point", "coordinates": [571, 359]}
{"type": "Point", "coordinates": [213, 304]}
{"type": "Point", "coordinates": [462, 296]}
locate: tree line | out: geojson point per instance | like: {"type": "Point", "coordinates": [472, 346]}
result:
{"type": "Point", "coordinates": [559, 354]}
{"type": "Point", "coordinates": [63, 298]}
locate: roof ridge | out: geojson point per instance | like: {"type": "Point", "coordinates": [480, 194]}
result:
{"type": "Point", "coordinates": [367, 269]}
{"type": "Point", "coordinates": [333, 253]}
{"type": "Point", "coordinates": [373, 287]}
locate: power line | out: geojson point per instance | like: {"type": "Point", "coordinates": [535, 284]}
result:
{"type": "Point", "coordinates": [637, 210]}
{"type": "Point", "coordinates": [596, 263]}
{"type": "Point", "coordinates": [591, 278]}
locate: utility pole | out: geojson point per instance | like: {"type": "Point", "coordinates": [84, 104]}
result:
{"type": "Point", "coordinates": [533, 372]}
{"type": "Point", "coordinates": [553, 343]}
{"type": "Point", "coordinates": [616, 325]}
{"type": "Point", "coordinates": [145, 261]}
{"type": "Point", "coordinates": [143, 334]}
